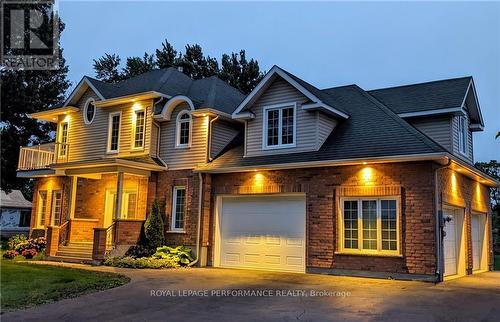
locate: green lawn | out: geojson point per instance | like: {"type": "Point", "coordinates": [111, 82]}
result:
{"type": "Point", "coordinates": [24, 285]}
{"type": "Point", "coordinates": [496, 263]}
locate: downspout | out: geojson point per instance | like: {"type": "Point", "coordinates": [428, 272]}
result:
{"type": "Point", "coordinates": [198, 228]}
{"type": "Point", "coordinates": [209, 157]}
{"type": "Point", "coordinates": [439, 224]}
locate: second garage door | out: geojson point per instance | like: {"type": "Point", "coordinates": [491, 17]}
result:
{"type": "Point", "coordinates": [262, 232]}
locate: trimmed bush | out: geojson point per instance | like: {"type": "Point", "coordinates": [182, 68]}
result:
{"type": "Point", "coordinates": [17, 241]}
{"type": "Point", "coordinates": [143, 262]}
{"type": "Point", "coordinates": [153, 228]}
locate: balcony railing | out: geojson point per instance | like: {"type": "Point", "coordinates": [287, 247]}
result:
{"type": "Point", "coordinates": [42, 156]}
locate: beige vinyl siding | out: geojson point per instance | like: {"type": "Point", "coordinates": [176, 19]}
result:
{"type": "Point", "coordinates": [155, 132]}
{"type": "Point", "coordinates": [456, 149]}
{"type": "Point", "coordinates": [437, 128]}
{"type": "Point", "coordinates": [280, 92]}
{"type": "Point", "coordinates": [326, 125]}
{"type": "Point", "coordinates": [222, 134]}
{"type": "Point", "coordinates": [89, 141]}
{"type": "Point", "coordinates": [183, 158]}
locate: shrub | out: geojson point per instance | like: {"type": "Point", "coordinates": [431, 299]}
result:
{"type": "Point", "coordinates": [153, 228]}
{"type": "Point", "coordinates": [29, 253]}
{"type": "Point", "coordinates": [20, 243]}
{"type": "Point", "coordinates": [143, 262]}
{"type": "Point", "coordinates": [10, 254]}
{"type": "Point", "coordinates": [138, 251]}
{"type": "Point", "coordinates": [40, 256]}
{"type": "Point", "coordinates": [16, 241]}
{"type": "Point", "coordinates": [180, 254]}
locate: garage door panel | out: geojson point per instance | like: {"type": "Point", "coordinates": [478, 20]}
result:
{"type": "Point", "coordinates": [265, 232]}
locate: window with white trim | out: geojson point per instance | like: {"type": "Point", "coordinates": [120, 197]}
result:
{"type": "Point", "coordinates": [63, 139]}
{"type": "Point", "coordinates": [139, 127]}
{"type": "Point", "coordinates": [370, 225]}
{"type": "Point", "coordinates": [183, 129]}
{"type": "Point", "coordinates": [42, 208]}
{"type": "Point", "coordinates": [462, 134]}
{"type": "Point", "coordinates": [178, 208]}
{"type": "Point", "coordinates": [89, 111]}
{"type": "Point", "coordinates": [279, 126]}
{"type": "Point", "coordinates": [56, 207]}
{"type": "Point", "coordinates": [114, 131]}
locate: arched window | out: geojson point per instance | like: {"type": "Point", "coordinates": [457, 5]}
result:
{"type": "Point", "coordinates": [183, 133]}
{"type": "Point", "coordinates": [89, 111]}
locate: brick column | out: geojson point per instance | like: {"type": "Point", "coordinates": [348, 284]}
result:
{"type": "Point", "coordinates": [52, 240]}
{"type": "Point", "coordinates": [99, 247]}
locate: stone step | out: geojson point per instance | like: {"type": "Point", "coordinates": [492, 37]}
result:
{"type": "Point", "coordinates": [74, 254]}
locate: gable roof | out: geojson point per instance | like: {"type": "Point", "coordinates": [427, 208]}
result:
{"type": "Point", "coordinates": [14, 199]}
{"type": "Point", "coordinates": [319, 100]}
{"type": "Point", "coordinates": [371, 131]}
{"type": "Point", "coordinates": [442, 96]}
{"type": "Point", "coordinates": [210, 92]}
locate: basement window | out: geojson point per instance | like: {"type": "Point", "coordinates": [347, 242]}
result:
{"type": "Point", "coordinates": [370, 226]}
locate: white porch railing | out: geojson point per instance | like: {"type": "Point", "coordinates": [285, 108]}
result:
{"type": "Point", "coordinates": [42, 156]}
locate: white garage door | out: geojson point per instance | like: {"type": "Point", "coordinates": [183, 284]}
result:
{"type": "Point", "coordinates": [262, 232]}
{"type": "Point", "coordinates": [450, 244]}
{"type": "Point", "coordinates": [477, 240]}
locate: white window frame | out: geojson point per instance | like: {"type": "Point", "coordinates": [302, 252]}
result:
{"type": "Point", "coordinates": [53, 201]}
{"type": "Point", "coordinates": [87, 103]}
{"type": "Point", "coordinates": [62, 150]}
{"type": "Point", "coordinates": [174, 206]}
{"type": "Point", "coordinates": [110, 123]}
{"type": "Point", "coordinates": [178, 122]}
{"type": "Point", "coordinates": [279, 107]}
{"type": "Point", "coordinates": [41, 206]}
{"type": "Point", "coordinates": [375, 252]}
{"type": "Point", "coordinates": [462, 135]}
{"type": "Point", "coordinates": [134, 129]}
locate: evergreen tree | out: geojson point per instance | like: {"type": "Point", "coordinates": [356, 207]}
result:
{"type": "Point", "coordinates": [24, 92]}
{"type": "Point", "coordinates": [240, 73]}
{"type": "Point", "coordinates": [136, 65]}
{"type": "Point", "coordinates": [106, 68]}
{"type": "Point", "coordinates": [153, 228]}
{"type": "Point", "coordinates": [166, 56]}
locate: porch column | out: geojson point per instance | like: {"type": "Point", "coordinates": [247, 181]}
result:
{"type": "Point", "coordinates": [72, 202]}
{"type": "Point", "coordinates": [119, 193]}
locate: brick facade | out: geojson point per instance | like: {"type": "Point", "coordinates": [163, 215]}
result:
{"type": "Point", "coordinates": [459, 191]}
{"type": "Point", "coordinates": [321, 186]}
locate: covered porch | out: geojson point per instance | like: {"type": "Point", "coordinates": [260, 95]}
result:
{"type": "Point", "coordinates": [105, 209]}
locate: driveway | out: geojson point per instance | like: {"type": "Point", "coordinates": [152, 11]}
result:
{"type": "Point", "coordinates": [283, 297]}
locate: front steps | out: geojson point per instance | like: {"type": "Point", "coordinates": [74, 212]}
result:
{"type": "Point", "coordinates": [74, 253]}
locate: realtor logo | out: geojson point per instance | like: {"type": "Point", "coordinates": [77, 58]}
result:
{"type": "Point", "coordinates": [30, 39]}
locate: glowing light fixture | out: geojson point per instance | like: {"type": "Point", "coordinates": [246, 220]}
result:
{"type": "Point", "coordinates": [365, 163]}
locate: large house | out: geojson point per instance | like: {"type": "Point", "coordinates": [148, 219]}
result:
{"type": "Point", "coordinates": [289, 178]}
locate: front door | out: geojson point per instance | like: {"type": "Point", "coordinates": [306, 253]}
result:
{"type": "Point", "coordinates": [109, 209]}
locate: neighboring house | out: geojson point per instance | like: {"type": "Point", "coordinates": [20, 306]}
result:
{"type": "Point", "coordinates": [288, 178]}
{"type": "Point", "coordinates": [15, 213]}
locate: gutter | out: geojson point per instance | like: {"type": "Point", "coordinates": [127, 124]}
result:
{"type": "Point", "coordinates": [198, 228]}
{"type": "Point", "coordinates": [439, 226]}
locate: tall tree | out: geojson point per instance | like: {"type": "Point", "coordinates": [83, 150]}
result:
{"type": "Point", "coordinates": [136, 65]}
{"type": "Point", "coordinates": [166, 56]}
{"type": "Point", "coordinates": [24, 92]}
{"type": "Point", "coordinates": [239, 72]}
{"type": "Point", "coordinates": [106, 68]}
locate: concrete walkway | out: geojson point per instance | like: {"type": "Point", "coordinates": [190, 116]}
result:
{"type": "Point", "coordinates": [198, 295]}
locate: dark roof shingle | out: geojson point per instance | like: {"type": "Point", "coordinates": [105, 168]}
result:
{"type": "Point", "coordinates": [448, 93]}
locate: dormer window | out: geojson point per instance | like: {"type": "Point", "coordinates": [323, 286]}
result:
{"type": "Point", "coordinates": [462, 134]}
{"type": "Point", "coordinates": [183, 130]}
{"type": "Point", "coordinates": [279, 126]}
{"type": "Point", "coordinates": [89, 111]}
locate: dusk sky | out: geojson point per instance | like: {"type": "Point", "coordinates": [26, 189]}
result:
{"type": "Point", "coordinates": [373, 45]}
